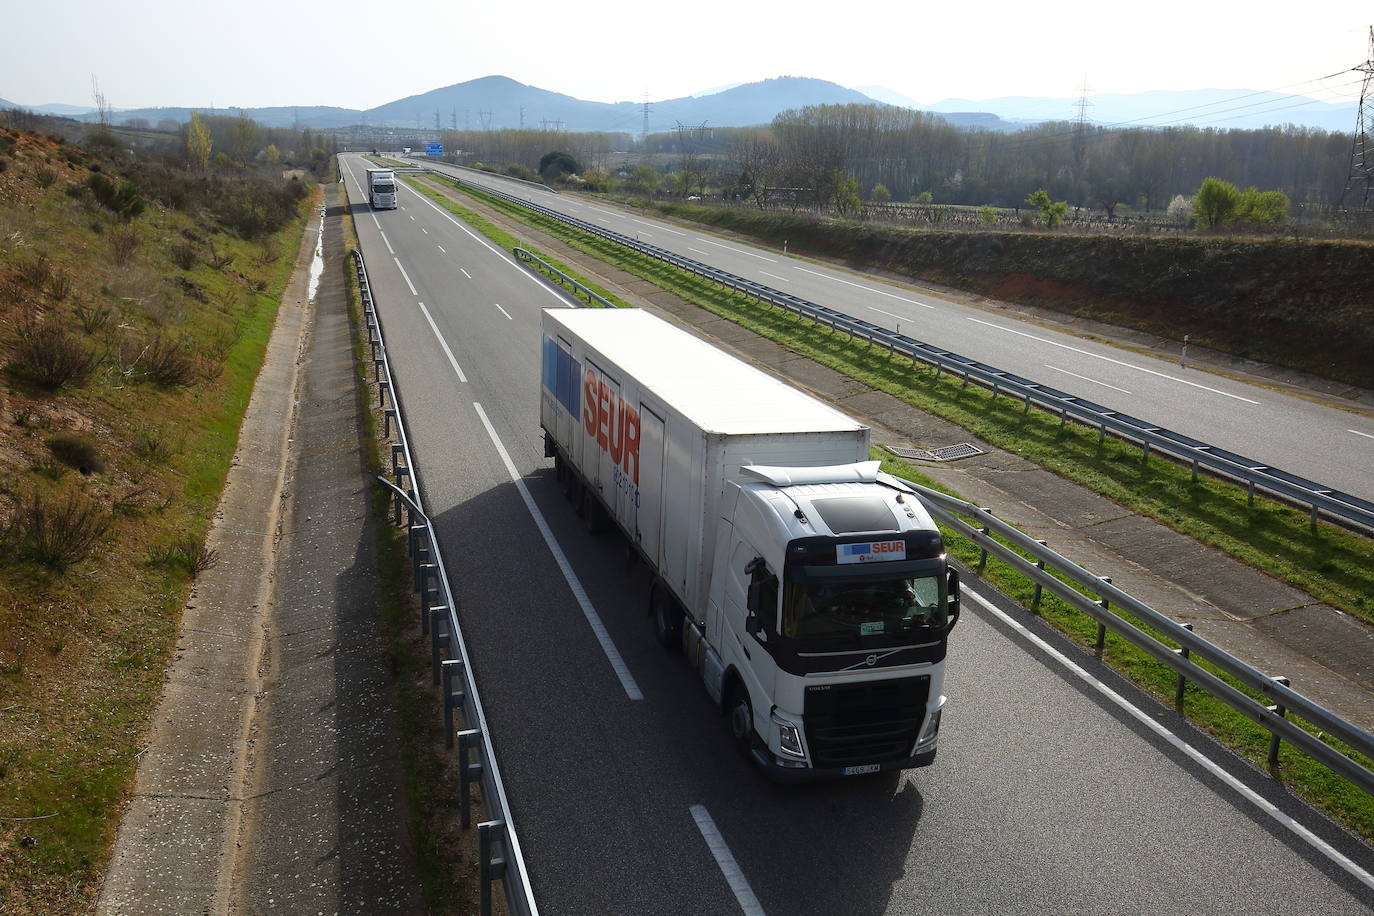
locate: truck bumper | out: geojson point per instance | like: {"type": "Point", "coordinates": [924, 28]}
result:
{"type": "Point", "coordinates": [791, 775]}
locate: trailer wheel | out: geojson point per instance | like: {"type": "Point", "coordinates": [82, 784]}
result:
{"type": "Point", "coordinates": [592, 516]}
{"type": "Point", "coordinates": [667, 618]}
{"type": "Point", "coordinates": [741, 718]}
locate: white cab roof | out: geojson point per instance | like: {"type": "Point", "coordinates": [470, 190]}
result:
{"type": "Point", "coordinates": [716, 391]}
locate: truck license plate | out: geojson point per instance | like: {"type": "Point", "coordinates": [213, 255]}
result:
{"type": "Point", "coordinates": [864, 768]}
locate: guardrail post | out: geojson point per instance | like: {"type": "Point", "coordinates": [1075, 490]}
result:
{"type": "Point", "coordinates": [1250, 493]}
{"type": "Point", "coordinates": [1040, 565]}
{"type": "Point", "coordinates": [387, 416]}
{"type": "Point", "coordinates": [382, 388]}
{"type": "Point", "coordinates": [450, 669]}
{"type": "Point", "coordinates": [1182, 681]}
{"type": "Point", "coordinates": [1274, 739]}
{"type": "Point", "coordinates": [397, 450]}
{"type": "Point", "coordinates": [429, 597]}
{"type": "Point", "coordinates": [400, 474]}
{"type": "Point", "coordinates": [1314, 516]}
{"type": "Point", "coordinates": [1102, 627]}
{"type": "Point", "coordinates": [1102, 434]}
{"type": "Point", "coordinates": [438, 639]}
{"type": "Point", "coordinates": [491, 868]}
{"type": "Point", "coordinates": [1194, 470]}
{"type": "Point", "coordinates": [987, 532]}
{"type": "Point", "coordinates": [376, 364]}
{"type": "Point", "coordinates": [419, 559]}
{"type": "Point", "coordinates": [469, 771]}
{"type": "Point", "coordinates": [1146, 457]}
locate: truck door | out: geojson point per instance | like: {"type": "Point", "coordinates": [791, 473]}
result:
{"type": "Point", "coordinates": [649, 517]}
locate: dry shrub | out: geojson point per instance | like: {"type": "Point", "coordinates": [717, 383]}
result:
{"type": "Point", "coordinates": [217, 260]}
{"type": "Point", "coordinates": [187, 554]}
{"type": "Point", "coordinates": [94, 317]}
{"type": "Point", "coordinates": [77, 452]}
{"type": "Point", "coordinates": [55, 531]}
{"type": "Point", "coordinates": [60, 285]}
{"type": "Point", "coordinates": [169, 361]}
{"type": "Point", "coordinates": [45, 176]}
{"type": "Point", "coordinates": [123, 242]}
{"type": "Point", "coordinates": [36, 270]}
{"type": "Point", "coordinates": [51, 357]}
{"type": "Point", "coordinates": [185, 255]}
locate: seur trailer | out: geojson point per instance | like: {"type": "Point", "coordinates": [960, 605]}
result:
{"type": "Point", "coordinates": [810, 589]}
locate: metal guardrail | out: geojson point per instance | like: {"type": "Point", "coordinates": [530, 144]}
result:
{"type": "Point", "coordinates": [562, 278]}
{"type": "Point", "coordinates": [498, 847]}
{"type": "Point", "coordinates": [1149, 436]}
{"type": "Point", "coordinates": [957, 513]}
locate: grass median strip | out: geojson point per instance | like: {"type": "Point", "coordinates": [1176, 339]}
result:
{"type": "Point", "coordinates": [1303, 775]}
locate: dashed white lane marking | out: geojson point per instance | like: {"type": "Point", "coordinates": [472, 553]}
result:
{"type": "Point", "coordinates": [602, 636]}
{"type": "Point", "coordinates": [441, 248]}
{"type": "Point", "coordinates": [503, 311]}
{"type": "Point", "coordinates": [1358, 433]}
{"type": "Point", "coordinates": [774, 276]}
{"type": "Point", "coordinates": [888, 314]}
{"type": "Point", "coordinates": [735, 250]}
{"type": "Point", "coordinates": [1086, 379]}
{"type": "Point", "coordinates": [867, 289]}
{"type": "Point", "coordinates": [1063, 346]}
{"type": "Point", "coordinates": [483, 242]}
{"type": "Point", "coordinates": [444, 343]}
{"type": "Point", "coordinates": [698, 251]}
{"type": "Point", "coordinates": [405, 276]}
{"type": "Point", "coordinates": [1149, 722]}
{"type": "Point", "coordinates": [734, 876]}
{"type": "Point", "coordinates": [465, 273]}
{"type": "Point", "coordinates": [424, 230]}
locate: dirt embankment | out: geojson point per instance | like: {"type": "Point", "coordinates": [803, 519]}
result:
{"type": "Point", "coordinates": [1304, 304]}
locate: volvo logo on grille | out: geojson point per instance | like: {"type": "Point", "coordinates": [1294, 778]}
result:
{"type": "Point", "coordinates": [871, 660]}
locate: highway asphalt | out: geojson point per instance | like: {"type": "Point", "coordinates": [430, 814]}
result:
{"type": "Point", "coordinates": [1331, 446]}
{"type": "Point", "coordinates": [1047, 795]}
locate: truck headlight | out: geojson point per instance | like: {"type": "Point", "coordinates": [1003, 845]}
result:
{"type": "Point", "coordinates": [789, 738]}
{"type": "Point", "coordinates": [931, 731]}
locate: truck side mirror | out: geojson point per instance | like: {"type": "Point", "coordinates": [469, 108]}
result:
{"type": "Point", "coordinates": [755, 597]}
{"type": "Point", "coordinates": [952, 590]}
{"type": "Point", "coordinates": [752, 624]}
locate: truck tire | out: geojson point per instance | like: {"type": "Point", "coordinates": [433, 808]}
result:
{"type": "Point", "coordinates": [667, 618]}
{"type": "Point", "coordinates": [592, 515]}
{"type": "Point", "coordinates": [739, 713]}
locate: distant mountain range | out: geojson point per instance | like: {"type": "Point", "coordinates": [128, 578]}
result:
{"type": "Point", "coordinates": [495, 102]}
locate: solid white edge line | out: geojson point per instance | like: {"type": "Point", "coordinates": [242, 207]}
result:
{"type": "Point", "coordinates": [390, 250]}
{"type": "Point", "coordinates": [1235, 784]}
{"type": "Point", "coordinates": [1358, 433]}
{"type": "Point", "coordinates": [1086, 379]}
{"type": "Point", "coordinates": [405, 276]}
{"type": "Point", "coordinates": [452, 361]}
{"type": "Point", "coordinates": [734, 876]}
{"type": "Point", "coordinates": [602, 636]}
{"type": "Point", "coordinates": [503, 311]}
{"type": "Point", "coordinates": [867, 289]}
{"type": "Point", "coordinates": [1064, 346]}
{"type": "Point", "coordinates": [483, 242]}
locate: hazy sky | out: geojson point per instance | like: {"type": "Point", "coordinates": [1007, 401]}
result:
{"type": "Point", "coordinates": [250, 53]}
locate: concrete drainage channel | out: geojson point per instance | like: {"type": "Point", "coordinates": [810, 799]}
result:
{"type": "Point", "coordinates": [500, 858]}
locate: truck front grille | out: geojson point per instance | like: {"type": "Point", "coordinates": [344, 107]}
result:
{"type": "Point", "coordinates": [867, 722]}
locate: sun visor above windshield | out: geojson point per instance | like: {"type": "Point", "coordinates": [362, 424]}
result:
{"type": "Point", "coordinates": [858, 472]}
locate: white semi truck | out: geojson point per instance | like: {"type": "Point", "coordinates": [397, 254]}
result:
{"type": "Point", "coordinates": [381, 188]}
{"type": "Point", "coordinates": [810, 589]}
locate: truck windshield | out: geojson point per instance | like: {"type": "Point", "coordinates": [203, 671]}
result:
{"type": "Point", "coordinates": [384, 188]}
{"type": "Point", "coordinates": [852, 608]}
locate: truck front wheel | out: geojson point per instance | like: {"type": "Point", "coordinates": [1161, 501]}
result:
{"type": "Point", "coordinates": [741, 717]}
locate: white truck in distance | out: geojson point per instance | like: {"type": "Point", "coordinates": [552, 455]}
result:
{"type": "Point", "coordinates": [381, 188]}
{"type": "Point", "coordinates": [810, 589]}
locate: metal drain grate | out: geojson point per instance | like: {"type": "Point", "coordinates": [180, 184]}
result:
{"type": "Point", "coordinates": [946, 453]}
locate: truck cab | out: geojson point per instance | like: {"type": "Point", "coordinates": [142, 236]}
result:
{"type": "Point", "coordinates": [831, 606]}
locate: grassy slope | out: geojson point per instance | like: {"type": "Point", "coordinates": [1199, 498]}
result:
{"type": "Point", "coordinates": [83, 650]}
{"type": "Point", "coordinates": [1334, 562]}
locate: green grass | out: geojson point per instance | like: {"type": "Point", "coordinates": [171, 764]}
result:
{"type": "Point", "coordinates": [83, 652]}
{"type": "Point", "coordinates": [394, 163]}
{"type": "Point", "coordinates": [1303, 775]}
